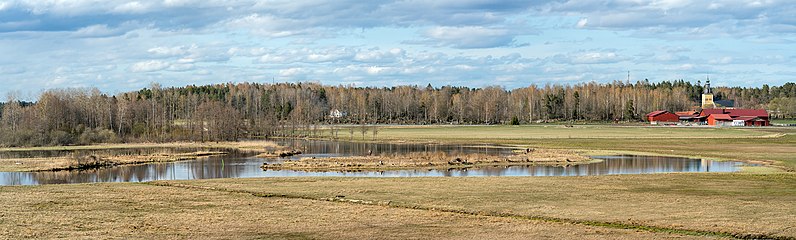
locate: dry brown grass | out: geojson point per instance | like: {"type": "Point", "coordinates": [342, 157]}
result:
{"type": "Point", "coordinates": [34, 164]}
{"type": "Point", "coordinates": [70, 162]}
{"type": "Point", "coordinates": [255, 145]}
{"type": "Point", "coordinates": [125, 210]}
{"type": "Point", "coordinates": [741, 204]}
{"type": "Point", "coordinates": [78, 162]}
{"type": "Point", "coordinates": [432, 160]}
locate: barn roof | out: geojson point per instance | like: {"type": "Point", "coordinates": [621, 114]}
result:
{"type": "Point", "coordinates": [656, 113]}
{"type": "Point", "coordinates": [686, 114]}
{"type": "Point", "coordinates": [721, 116]}
{"type": "Point", "coordinates": [735, 112]}
{"type": "Point", "coordinates": [748, 118]}
{"type": "Point", "coordinates": [706, 112]}
{"type": "Point", "coordinates": [747, 112]}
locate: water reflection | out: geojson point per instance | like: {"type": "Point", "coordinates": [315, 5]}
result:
{"type": "Point", "coordinates": [238, 166]}
{"type": "Point", "coordinates": [319, 148]}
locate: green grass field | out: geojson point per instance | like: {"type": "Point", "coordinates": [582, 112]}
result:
{"type": "Point", "coordinates": [783, 121]}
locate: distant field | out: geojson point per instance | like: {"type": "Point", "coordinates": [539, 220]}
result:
{"type": "Point", "coordinates": [777, 145]}
{"type": "Point", "coordinates": [559, 131]}
{"type": "Point", "coordinates": [783, 121]}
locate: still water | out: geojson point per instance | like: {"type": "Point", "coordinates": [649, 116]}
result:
{"type": "Point", "coordinates": [245, 165]}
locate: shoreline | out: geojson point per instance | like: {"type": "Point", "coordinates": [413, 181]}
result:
{"type": "Point", "coordinates": [90, 161]}
{"type": "Point", "coordinates": [68, 163]}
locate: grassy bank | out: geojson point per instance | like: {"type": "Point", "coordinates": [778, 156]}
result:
{"type": "Point", "coordinates": [741, 205]}
{"type": "Point", "coordinates": [128, 210]}
{"type": "Point", "coordinates": [773, 145]}
{"type": "Point", "coordinates": [110, 159]}
{"type": "Point", "coordinates": [88, 162]}
{"type": "Point", "coordinates": [257, 146]}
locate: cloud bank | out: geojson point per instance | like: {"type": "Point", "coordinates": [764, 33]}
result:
{"type": "Point", "coordinates": [53, 43]}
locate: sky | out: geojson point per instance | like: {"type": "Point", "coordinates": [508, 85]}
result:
{"type": "Point", "coordinates": [122, 45]}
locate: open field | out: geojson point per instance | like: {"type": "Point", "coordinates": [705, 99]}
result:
{"type": "Point", "coordinates": [773, 145]}
{"type": "Point", "coordinates": [144, 211]}
{"type": "Point", "coordinates": [443, 132]}
{"type": "Point", "coordinates": [783, 121]}
{"type": "Point", "coordinates": [746, 205]}
{"type": "Point", "coordinates": [739, 204]}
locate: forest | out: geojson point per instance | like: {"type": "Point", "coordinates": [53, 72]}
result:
{"type": "Point", "coordinates": [233, 111]}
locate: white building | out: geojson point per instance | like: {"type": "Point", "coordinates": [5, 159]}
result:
{"type": "Point", "coordinates": [337, 113]}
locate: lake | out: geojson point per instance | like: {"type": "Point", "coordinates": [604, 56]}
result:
{"type": "Point", "coordinates": [239, 164]}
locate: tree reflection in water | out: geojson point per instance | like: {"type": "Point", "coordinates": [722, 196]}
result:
{"type": "Point", "coordinates": [242, 164]}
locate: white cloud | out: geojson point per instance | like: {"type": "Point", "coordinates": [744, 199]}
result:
{"type": "Point", "coordinates": [171, 51]}
{"type": "Point", "coordinates": [100, 30]}
{"type": "Point", "coordinates": [470, 37]}
{"type": "Point", "coordinates": [722, 60]}
{"type": "Point", "coordinates": [4, 5]}
{"type": "Point", "coordinates": [269, 26]}
{"type": "Point", "coordinates": [464, 42]}
{"type": "Point", "coordinates": [149, 66]}
{"type": "Point", "coordinates": [178, 3]}
{"type": "Point", "coordinates": [181, 67]}
{"type": "Point", "coordinates": [582, 22]}
{"type": "Point", "coordinates": [589, 57]}
{"type": "Point", "coordinates": [376, 70]}
{"type": "Point", "coordinates": [131, 7]}
{"type": "Point", "coordinates": [290, 72]}
{"type": "Point", "coordinates": [685, 67]}
{"type": "Point", "coordinates": [377, 55]}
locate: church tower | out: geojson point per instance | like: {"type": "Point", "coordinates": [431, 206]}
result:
{"type": "Point", "coordinates": [707, 96]}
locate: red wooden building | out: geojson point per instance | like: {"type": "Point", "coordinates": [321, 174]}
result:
{"type": "Point", "coordinates": [750, 117]}
{"type": "Point", "coordinates": [719, 120]}
{"type": "Point", "coordinates": [662, 116]}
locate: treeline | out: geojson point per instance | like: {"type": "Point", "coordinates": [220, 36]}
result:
{"type": "Point", "coordinates": [248, 110]}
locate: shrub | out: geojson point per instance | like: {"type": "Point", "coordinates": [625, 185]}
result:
{"type": "Point", "coordinates": [515, 121]}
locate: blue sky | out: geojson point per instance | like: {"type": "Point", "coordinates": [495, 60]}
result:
{"type": "Point", "coordinates": [125, 45]}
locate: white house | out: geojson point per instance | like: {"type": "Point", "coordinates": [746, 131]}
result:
{"type": "Point", "coordinates": [337, 113]}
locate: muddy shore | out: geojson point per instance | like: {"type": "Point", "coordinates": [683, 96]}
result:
{"type": "Point", "coordinates": [432, 161]}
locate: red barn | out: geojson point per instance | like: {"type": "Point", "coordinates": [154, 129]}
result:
{"type": "Point", "coordinates": [690, 116]}
{"type": "Point", "coordinates": [750, 117]}
{"type": "Point", "coordinates": [662, 116]}
{"type": "Point", "coordinates": [719, 120]}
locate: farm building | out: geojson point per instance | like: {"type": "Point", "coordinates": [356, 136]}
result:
{"type": "Point", "coordinates": [662, 116]}
{"type": "Point", "coordinates": [712, 114]}
{"type": "Point", "coordinates": [720, 120]}
{"type": "Point", "coordinates": [713, 117]}
{"type": "Point", "coordinates": [749, 117]}
{"type": "Point", "coordinates": [690, 116]}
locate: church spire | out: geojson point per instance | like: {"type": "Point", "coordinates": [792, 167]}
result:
{"type": "Point", "coordinates": [707, 87]}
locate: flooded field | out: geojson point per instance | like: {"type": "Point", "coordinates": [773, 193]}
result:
{"type": "Point", "coordinates": [244, 165]}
